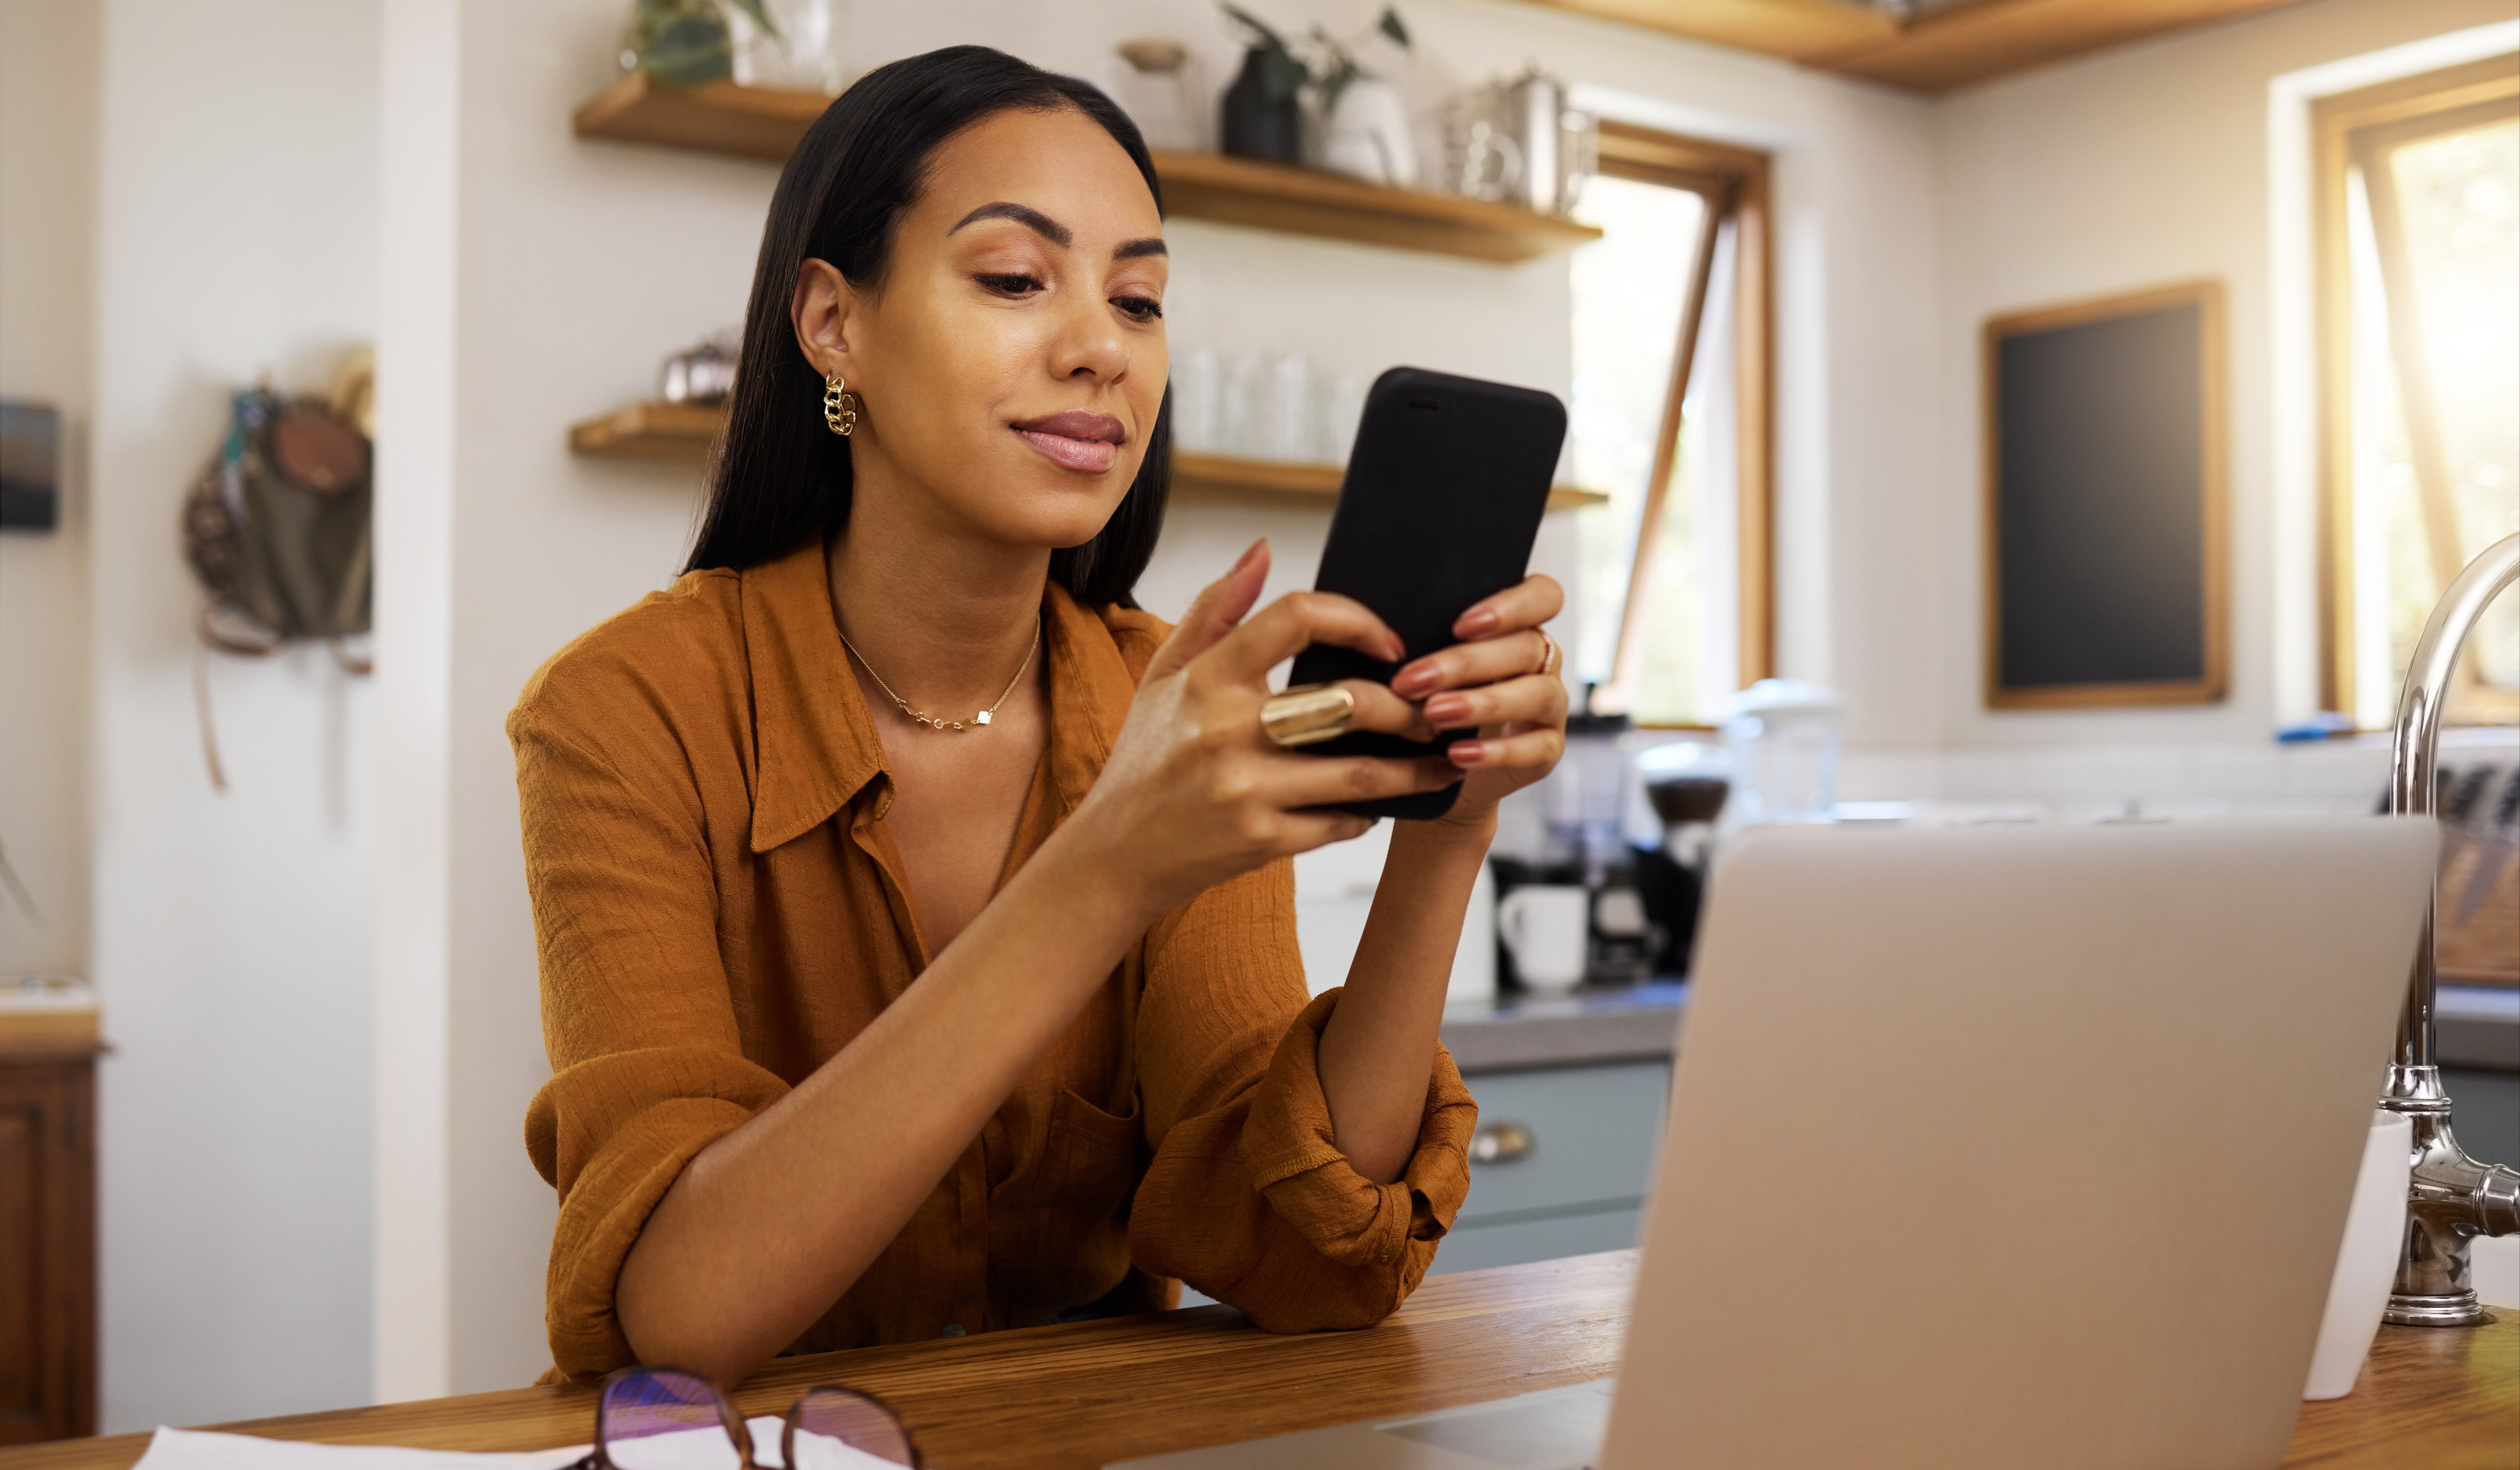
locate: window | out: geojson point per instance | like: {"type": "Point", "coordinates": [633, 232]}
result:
{"type": "Point", "coordinates": [2419, 336]}
{"type": "Point", "coordinates": [1670, 418]}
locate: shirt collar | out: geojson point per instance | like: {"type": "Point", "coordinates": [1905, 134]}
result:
{"type": "Point", "coordinates": [814, 742]}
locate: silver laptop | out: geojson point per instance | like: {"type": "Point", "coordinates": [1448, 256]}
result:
{"type": "Point", "coordinates": [1988, 1147]}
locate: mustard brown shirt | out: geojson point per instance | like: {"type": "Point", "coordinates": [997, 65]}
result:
{"type": "Point", "coordinates": [719, 907]}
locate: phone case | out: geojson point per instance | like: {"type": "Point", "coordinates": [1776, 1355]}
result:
{"type": "Point", "coordinates": [1442, 501]}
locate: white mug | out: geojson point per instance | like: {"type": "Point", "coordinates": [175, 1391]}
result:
{"type": "Point", "coordinates": [2366, 1263]}
{"type": "Point", "coordinates": [1549, 927]}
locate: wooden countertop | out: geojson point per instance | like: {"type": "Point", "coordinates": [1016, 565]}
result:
{"type": "Point", "coordinates": [1076, 1397]}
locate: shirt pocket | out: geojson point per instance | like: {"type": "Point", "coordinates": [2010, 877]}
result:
{"type": "Point", "coordinates": [1091, 1159]}
{"type": "Point", "coordinates": [1068, 1220]}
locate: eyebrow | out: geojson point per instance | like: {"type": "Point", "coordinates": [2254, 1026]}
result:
{"type": "Point", "coordinates": [1032, 219]}
{"type": "Point", "coordinates": [1052, 231]}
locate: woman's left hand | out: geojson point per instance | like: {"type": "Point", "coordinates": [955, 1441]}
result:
{"type": "Point", "coordinates": [1503, 678]}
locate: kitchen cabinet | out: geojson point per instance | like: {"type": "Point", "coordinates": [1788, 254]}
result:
{"type": "Point", "coordinates": [1562, 1163]}
{"type": "Point", "coordinates": [1584, 1081]}
{"type": "Point", "coordinates": [47, 1229]}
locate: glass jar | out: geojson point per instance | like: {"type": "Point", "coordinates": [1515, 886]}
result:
{"type": "Point", "coordinates": [1785, 737]}
{"type": "Point", "coordinates": [804, 56]}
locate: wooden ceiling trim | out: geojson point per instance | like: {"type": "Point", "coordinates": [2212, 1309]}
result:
{"type": "Point", "coordinates": [1948, 49]}
{"type": "Point", "coordinates": [1794, 30]}
{"type": "Point", "coordinates": [1980, 42]}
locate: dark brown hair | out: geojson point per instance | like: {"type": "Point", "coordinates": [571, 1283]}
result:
{"type": "Point", "coordinates": [780, 477]}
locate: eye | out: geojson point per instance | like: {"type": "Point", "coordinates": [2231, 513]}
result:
{"type": "Point", "coordinates": [1010, 286]}
{"type": "Point", "coordinates": [1139, 308]}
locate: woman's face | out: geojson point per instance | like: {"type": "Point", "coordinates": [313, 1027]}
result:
{"type": "Point", "coordinates": [1012, 361]}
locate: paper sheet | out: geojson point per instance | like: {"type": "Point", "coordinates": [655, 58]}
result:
{"type": "Point", "coordinates": [689, 1449]}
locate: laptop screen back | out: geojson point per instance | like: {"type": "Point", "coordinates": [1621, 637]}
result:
{"type": "Point", "coordinates": [1996, 1147]}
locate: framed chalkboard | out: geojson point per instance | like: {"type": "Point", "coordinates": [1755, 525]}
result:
{"type": "Point", "coordinates": [2105, 502]}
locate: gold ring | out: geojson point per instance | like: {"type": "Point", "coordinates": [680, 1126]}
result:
{"type": "Point", "coordinates": [1547, 651]}
{"type": "Point", "coordinates": [1308, 714]}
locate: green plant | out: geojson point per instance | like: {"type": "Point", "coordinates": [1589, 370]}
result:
{"type": "Point", "coordinates": [683, 43]}
{"type": "Point", "coordinates": [1339, 62]}
{"type": "Point", "coordinates": [1282, 75]}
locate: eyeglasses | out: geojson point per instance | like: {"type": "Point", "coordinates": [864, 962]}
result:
{"type": "Point", "coordinates": [670, 1419]}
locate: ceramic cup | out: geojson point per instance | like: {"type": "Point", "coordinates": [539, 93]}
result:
{"type": "Point", "coordinates": [2366, 1264]}
{"type": "Point", "coordinates": [1547, 926]}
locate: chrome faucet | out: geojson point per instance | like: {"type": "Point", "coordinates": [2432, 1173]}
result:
{"type": "Point", "coordinates": [2452, 1198]}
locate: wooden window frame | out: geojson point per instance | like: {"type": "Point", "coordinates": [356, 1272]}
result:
{"type": "Point", "coordinates": [1735, 184]}
{"type": "Point", "coordinates": [2345, 129]}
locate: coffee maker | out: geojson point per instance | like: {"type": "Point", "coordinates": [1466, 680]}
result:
{"type": "Point", "coordinates": [1579, 851]}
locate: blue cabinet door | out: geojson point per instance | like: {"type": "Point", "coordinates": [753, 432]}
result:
{"type": "Point", "coordinates": [1571, 1154]}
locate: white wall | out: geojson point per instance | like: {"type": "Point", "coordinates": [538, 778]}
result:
{"type": "Point", "coordinates": [48, 93]}
{"type": "Point", "coordinates": [2136, 167]}
{"type": "Point", "coordinates": [236, 232]}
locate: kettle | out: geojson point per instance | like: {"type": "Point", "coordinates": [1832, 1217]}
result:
{"type": "Point", "coordinates": [1520, 143]}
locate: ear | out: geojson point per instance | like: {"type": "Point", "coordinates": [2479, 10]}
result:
{"type": "Point", "coordinates": [820, 310]}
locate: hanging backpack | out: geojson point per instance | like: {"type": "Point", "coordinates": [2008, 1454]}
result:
{"type": "Point", "coordinates": [277, 529]}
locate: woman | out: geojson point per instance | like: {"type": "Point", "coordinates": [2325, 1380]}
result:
{"type": "Point", "coordinates": [900, 721]}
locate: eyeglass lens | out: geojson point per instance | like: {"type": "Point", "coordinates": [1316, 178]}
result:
{"type": "Point", "coordinates": [662, 1419]}
{"type": "Point", "coordinates": [837, 1429]}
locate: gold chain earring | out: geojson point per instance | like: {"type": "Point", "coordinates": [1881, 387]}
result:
{"type": "Point", "coordinates": [839, 406]}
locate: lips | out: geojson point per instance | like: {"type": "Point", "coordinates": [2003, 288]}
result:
{"type": "Point", "coordinates": [1075, 439]}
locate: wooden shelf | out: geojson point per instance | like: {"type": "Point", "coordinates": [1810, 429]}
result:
{"type": "Point", "coordinates": [765, 122]}
{"type": "Point", "coordinates": [716, 117]}
{"type": "Point", "coordinates": [677, 433]}
{"type": "Point", "coordinates": [1311, 201]}
{"type": "Point", "coordinates": [682, 433]}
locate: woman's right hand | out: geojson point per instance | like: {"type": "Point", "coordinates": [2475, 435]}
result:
{"type": "Point", "coordinates": [1195, 791]}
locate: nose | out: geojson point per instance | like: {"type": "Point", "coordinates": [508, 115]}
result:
{"type": "Point", "coordinates": [1088, 345]}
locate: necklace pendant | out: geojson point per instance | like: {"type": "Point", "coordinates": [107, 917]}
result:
{"type": "Point", "coordinates": [982, 718]}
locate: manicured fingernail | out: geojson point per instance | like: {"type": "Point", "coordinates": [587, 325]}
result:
{"type": "Point", "coordinates": [1476, 621]}
{"type": "Point", "coordinates": [1467, 752]}
{"type": "Point", "coordinates": [1249, 551]}
{"type": "Point", "coordinates": [1447, 709]}
{"type": "Point", "coordinates": [1416, 680]}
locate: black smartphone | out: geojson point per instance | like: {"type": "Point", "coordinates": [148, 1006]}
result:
{"type": "Point", "coordinates": [1443, 498]}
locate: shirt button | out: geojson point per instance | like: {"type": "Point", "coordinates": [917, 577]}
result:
{"type": "Point", "coordinates": [952, 1329]}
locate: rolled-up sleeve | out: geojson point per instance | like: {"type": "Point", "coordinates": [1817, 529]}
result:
{"type": "Point", "coordinates": [648, 1067]}
{"type": "Point", "coordinates": [1248, 1197]}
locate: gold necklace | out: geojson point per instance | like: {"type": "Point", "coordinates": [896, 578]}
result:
{"type": "Point", "coordinates": [930, 720]}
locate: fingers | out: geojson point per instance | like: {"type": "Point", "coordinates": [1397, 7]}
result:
{"type": "Point", "coordinates": [1214, 613]}
{"type": "Point", "coordinates": [1532, 700]}
{"type": "Point", "coordinates": [1288, 626]}
{"type": "Point", "coordinates": [1528, 603]}
{"type": "Point", "coordinates": [1380, 709]}
{"type": "Point", "coordinates": [1321, 781]}
{"type": "Point", "coordinates": [1509, 655]}
{"type": "Point", "coordinates": [1533, 749]}
{"type": "Point", "coordinates": [1306, 831]}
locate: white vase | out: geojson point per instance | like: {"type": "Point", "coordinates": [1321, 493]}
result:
{"type": "Point", "coordinates": [2366, 1259]}
{"type": "Point", "coordinates": [1366, 135]}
